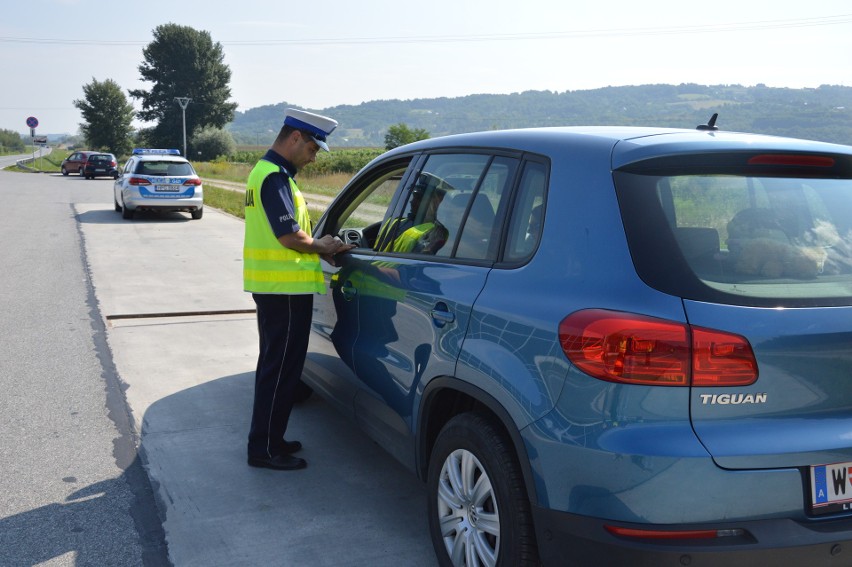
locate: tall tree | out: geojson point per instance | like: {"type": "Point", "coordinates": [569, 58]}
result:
{"type": "Point", "coordinates": [183, 63]}
{"type": "Point", "coordinates": [107, 116]}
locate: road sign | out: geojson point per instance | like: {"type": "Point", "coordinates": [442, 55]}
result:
{"type": "Point", "coordinates": [32, 122]}
{"type": "Point", "coordinates": [40, 140]}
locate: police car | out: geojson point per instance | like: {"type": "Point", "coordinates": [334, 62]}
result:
{"type": "Point", "coordinates": [158, 180]}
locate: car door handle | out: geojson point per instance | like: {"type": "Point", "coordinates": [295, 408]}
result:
{"type": "Point", "coordinates": [348, 291]}
{"type": "Point", "coordinates": [442, 315]}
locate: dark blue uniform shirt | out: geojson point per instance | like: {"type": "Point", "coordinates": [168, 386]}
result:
{"type": "Point", "coordinates": [277, 198]}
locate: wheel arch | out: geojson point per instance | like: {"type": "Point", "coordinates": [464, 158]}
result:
{"type": "Point", "coordinates": [446, 397]}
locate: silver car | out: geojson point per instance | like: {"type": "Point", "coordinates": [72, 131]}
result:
{"type": "Point", "coordinates": [158, 180]}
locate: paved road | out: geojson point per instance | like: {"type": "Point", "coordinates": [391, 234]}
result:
{"type": "Point", "coordinates": [6, 161]}
{"type": "Point", "coordinates": [72, 490]}
{"type": "Point", "coordinates": [79, 286]}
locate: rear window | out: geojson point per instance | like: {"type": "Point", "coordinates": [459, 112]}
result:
{"type": "Point", "coordinates": [760, 230]}
{"type": "Point", "coordinates": [99, 157]}
{"type": "Point", "coordinates": [164, 168]}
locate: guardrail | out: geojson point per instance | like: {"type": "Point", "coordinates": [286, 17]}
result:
{"type": "Point", "coordinates": [20, 163]}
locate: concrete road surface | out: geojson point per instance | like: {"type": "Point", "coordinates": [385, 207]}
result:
{"type": "Point", "coordinates": [167, 293]}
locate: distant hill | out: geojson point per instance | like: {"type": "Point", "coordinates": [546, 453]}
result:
{"type": "Point", "coordinates": [823, 113]}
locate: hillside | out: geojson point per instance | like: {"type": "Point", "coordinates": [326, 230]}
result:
{"type": "Point", "coordinates": [823, 113]}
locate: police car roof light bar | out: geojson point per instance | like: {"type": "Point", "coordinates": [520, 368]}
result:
{"type": "Point", "coordinates": [155, 151]}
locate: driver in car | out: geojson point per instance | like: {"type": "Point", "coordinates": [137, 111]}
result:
{"type": "Point", "coordinates": [419, 232]}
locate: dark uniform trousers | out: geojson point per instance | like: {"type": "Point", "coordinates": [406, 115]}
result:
{"type": "Point", "coordinates": [284, 325]}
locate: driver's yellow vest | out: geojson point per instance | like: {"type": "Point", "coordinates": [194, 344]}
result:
{"type": "Point", "coordinates": [406, 241]}
{"type": "Point", "coordinates": [269, 266]}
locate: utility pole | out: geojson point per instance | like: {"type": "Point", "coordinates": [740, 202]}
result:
{"type": "Point", "coordinates": [183, 102]}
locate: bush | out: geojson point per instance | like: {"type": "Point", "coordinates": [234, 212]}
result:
{"type": "Point", "coordinates": [11, 142]}
{"type": "Point", "coordinates": [400, 134]}
{"type": "Point", "coordinates": [341, 161]}
{"type": "Point", "coordinates": [210, 143]}
{"type": "Point", "coordinates": [337, 161]}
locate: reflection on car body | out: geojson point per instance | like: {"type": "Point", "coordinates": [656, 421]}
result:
{"type": "Point", "coordinates": [631, 346]}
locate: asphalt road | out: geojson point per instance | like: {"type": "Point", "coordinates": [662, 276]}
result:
{"type": "Point", "coordinates": [125, 423]}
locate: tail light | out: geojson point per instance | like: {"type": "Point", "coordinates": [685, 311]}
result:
{"type": "Point", "coordinates": [634, 349]}
{"type": "Point", "coordinates": [194, 181]}
{"type": "Point", "coordinates": [138, 181]}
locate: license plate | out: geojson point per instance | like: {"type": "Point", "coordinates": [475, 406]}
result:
{"type": "Point", "coordinates": [100, 170]}
{"type": "Point", "coordinates": [831, 488]}
{"type": "Point", "coordinates": [167, 188]}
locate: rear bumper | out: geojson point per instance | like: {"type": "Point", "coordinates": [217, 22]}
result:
{"type": "Point", "coordinates": [101, 173]}
{"type": "Point", "coordinates": [582, 541]}
{"type": "Point", "coordinates": [135, 202]}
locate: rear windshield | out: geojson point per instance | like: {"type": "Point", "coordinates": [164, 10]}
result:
{"type": "Point", "coordinates": [164, 168]}
{"type": "Point", "coordinates": [99, 157]}
{"type": "Point", "coordinates": [763, 235]}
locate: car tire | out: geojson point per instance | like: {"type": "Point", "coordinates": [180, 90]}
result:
{"type": "Point", "coordinates": [197, 213]}
{"type": "Point", "coordinates": [117, 206]}
{"type": "Point", "coordinates": [491, 525]}
{"type": "Point", "coordinates": [126, 213]}
{"type": "Point", "coordinates": [64, 171]}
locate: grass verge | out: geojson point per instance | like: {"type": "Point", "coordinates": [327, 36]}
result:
{"type": "Point", "coordinates": [233, 202]}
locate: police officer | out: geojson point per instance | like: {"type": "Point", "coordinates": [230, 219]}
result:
{"type": "Point", "coordinates": [281, 269]}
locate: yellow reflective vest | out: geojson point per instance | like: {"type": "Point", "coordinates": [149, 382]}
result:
{"type": "Point", "coordinates": [269, 266]}
{"type": "Point", "coordinates": [406, 241]}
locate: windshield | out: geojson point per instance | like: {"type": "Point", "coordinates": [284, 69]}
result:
{"type": "Point", "coordinates": [741, 239]}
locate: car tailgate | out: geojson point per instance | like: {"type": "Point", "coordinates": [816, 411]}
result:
{"type": "Point", "coordinates": [799, 411]}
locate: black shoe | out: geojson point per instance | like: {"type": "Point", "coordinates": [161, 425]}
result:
{"type": "Point", "coordinates": [290, 447]}
{"type": "Point", "coordinates": [278, 462]}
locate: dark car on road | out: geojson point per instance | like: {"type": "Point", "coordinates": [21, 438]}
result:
{"type": "Point", "coordinates": [603, 346]}
{"type": "Point", "coordinates": [100, 165]}
{"type": "Point", "coordinates": [75, 162]}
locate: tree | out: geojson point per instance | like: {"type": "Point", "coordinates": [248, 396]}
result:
{"type": "Point", "coordinates": [183, 62]}
{"type": "Point", "coordinates": [400, 134]}
{"type": "Point", "coordinates": [107, 117]}
{"type": "Point", "coordinates": [209, 143]}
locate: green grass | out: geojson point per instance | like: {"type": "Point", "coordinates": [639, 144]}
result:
{"type": "Point", "coordinates": [233, 202]}
{"type": "Point", "coordinates": [49, 163]}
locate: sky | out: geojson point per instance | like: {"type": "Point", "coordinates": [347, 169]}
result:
{"type": "Point", "coordinates": [317, 55]}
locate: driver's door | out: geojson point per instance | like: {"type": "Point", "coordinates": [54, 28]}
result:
{"type": "Point", "coordinates": [355, 216]}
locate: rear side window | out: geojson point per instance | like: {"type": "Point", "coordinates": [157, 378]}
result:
{"type": "Point", "coordinates": [748, 232]}
{"type": "Point", "coordinates": [527, 214]}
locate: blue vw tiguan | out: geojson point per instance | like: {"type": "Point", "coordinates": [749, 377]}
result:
{"type": "Point", "coordinates": [603, 346]}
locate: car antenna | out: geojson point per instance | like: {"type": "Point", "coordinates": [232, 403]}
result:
{"type": "Point", "coordinates": [711, 124]}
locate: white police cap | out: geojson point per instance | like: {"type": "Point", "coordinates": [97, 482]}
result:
{"type": "Point", "coordinates": [319, 127]}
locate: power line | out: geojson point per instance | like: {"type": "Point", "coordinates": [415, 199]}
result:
{"type": "Point", "coordinates": [536, 36]}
